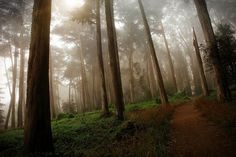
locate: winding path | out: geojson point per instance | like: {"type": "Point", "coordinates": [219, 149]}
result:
{"type": "Point", "coordinates": [193, 136]}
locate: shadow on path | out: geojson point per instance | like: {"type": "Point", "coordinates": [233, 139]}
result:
{"type": "Point", "coordinates": [193, 136]}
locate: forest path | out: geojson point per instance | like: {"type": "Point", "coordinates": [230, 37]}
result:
{"type": "Point", "coordinates": [194, 136]}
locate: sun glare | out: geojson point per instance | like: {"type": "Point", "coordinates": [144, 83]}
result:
{"type": "Point", "coordinates": [71, 4]}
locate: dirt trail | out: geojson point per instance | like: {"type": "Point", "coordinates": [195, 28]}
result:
{"type": "Point", "coordinates": [193, 136]}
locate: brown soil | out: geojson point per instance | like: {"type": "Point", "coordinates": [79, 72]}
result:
{"type": "Point", "coordinates": [194, 136]}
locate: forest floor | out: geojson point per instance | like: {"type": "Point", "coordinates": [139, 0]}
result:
{"type": "Point", "coordinates": [187, 128]}
{"type": "Point", "coordinates": [144, 132]}
{"type": "Point", "coordinates": [202, 128]}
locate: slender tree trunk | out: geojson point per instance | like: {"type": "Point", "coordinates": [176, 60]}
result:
{"type": "Point", "coordinates": [111, 94]}
{"type": "Point", "coordinates": [70, 84]}
{"type": "Point", "coordinates": [170, 59]}
{"type": "Point", "coordinates": [10, 93]}
{"type": "Point", "coordinates": [205, 21]}
{"type": "Point", "coordinates": [86, 94]}
{"type": "Point", "coordinates": [13, 98]}
{"type": "Point", "coordinates": [100, 59]}
{"type": "Point", "coordinates": [37, 130]}
{"type": "Point", "coordinates": [51, 85]}
{"type": "Point", "coordinates": [200, 65]}
{"type": "Point", "coordinates": [11, 104]}
{"type": "Point", "coordinates": [150, 92]}
{"type": "Point", "coordinates": [93, 86]}
{"type": "Point", "coordinates": [153, 81]}
{"type": "Point", "coordinates": [132, 96]}
{"type": "Point", "coordinates": [21, 100]}
{"type": "Point", "coordinates": [163, 95]}
{"type": "Point", "coordinates": [58, 97]}
{"type": "Point", "coordinates": [114, 59]}
{"type": "Point", "coordinates": [83, 81]}
{"type": "Point", "coordinates": [189, 53]}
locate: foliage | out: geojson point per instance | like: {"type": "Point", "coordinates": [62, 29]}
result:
{"type": "Point", "coordinates": [11, 142]}
{"type": "Point", "coordinates": [226, 43]}
{"type": "Point", "coordinates": [179, 96]}
{"type": "Point", "coordinates": [227, 49]}
{"type": "Point", "coordinates": [144, 132]}
{"type": "Point", "coordinates": [86, 13]}
{"type": "Point", "coordinates": [141, 106]}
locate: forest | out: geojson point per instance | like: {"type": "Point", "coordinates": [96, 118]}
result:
{"type": "Point", "coordinates": [117, 78]}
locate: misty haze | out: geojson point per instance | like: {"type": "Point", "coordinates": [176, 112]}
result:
{"type": "Point", "coordinates": [118, 78]}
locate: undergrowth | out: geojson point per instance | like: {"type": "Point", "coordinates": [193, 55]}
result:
{"type": "Point", "coordinates": [179, 97]}
{"type": "Point", "coordinates": [143, 133]}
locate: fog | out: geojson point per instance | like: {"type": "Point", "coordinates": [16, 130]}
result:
{"type": "Point", "coordinates": [74, 72]}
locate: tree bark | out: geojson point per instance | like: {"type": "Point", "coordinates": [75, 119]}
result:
{"type": "Point", "coordinates": [163, 95]}
{"type": "Point", "coordinates": [200, 65]}
{"type": "Point", "coordinates": [114, 59]}
{"type": "Point", "coordinates": [100, 59]}
{"type": "Point", "coordinates": [132, 94]}
{"type": "Point", "coordinates": [9, 88]}
{"type": "Point", "coordinates": [170, 59]}
{"type": "Point", "coordinates": [210, 39]}
{"type": "Point", "coordinates": [21, 100]}
{"type": "Point", "coordinates": [70, 84]}
{"type": "Point", "coordinates": [37, 132]}
{"type": "Point", "coordinates": [13, 96]}
{"type": "Point", "coordinates": [51, 86]}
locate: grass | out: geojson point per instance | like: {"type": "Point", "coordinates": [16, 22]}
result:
{"type": "Point", "coordinates": [179, 97]}
{"type": "Point", "coordinates": [143, 133]}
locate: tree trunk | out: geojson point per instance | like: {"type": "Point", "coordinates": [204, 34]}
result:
{"type": "Point", "coordinates": [152, 78]}
{"type": "Point", "coordinates": [191, 62]}
{"type": "Point", "coordinates": [132, 96]}
{"type": "Point", "coordinates": [170, 59]}
{"type": "Point", "coordinates": [10, 93]}
{"type": "Point", "coordinates": [100, 59]}
{"type": "Point", "coordinates": [83, 81]}
{"type": "Point", "coordinates": [21, 100]}
{"type": "Point", "coordinates": [13, 96]}
{"type": "Point", "coordinates": [163, 95]}
{"type": "Point", "coordinates": [114, 59]}
{"type": "Point", "coordinates": [51, 85]}
{"type": "Point", "coordinates": [205, 21]}
{"type": "Point", "coordinates": [70, 84]}
{"type": "Point", "coordinates": [37, 132]}
{"type": "Point", "coordinates": [11, 104]}
{"type": "Point", "coordinates": [200, 65]}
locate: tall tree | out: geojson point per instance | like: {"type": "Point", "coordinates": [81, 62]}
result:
{"type": "Point", "coordinates": [9, 89]}
{"type": "Point", "coordinates": [205, 21]}
{"type": "Point", "coordinates": [13, 96]}
{"type": "Point", "coordinates": [169, 58]}
{"type": "Point", "coordinates": [200, 65]}
{"type": "Point", "coordinates": [100, 58]}
{"type": "Point", "coordinates": [37, 130]}
{"type": "Point", "coordinates": [131, 71]}
{"type": "Point", "coordinates": [114, 59]}
{"type": "Point", "coordinates": [51, 86]}
{"type": "Point", "coordinates": [163, 95]}
{"type": "Point", "coordinates": [21, 100]}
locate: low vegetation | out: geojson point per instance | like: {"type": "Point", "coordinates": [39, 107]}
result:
{"type": "Point", "coordinates": [143, 133]}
